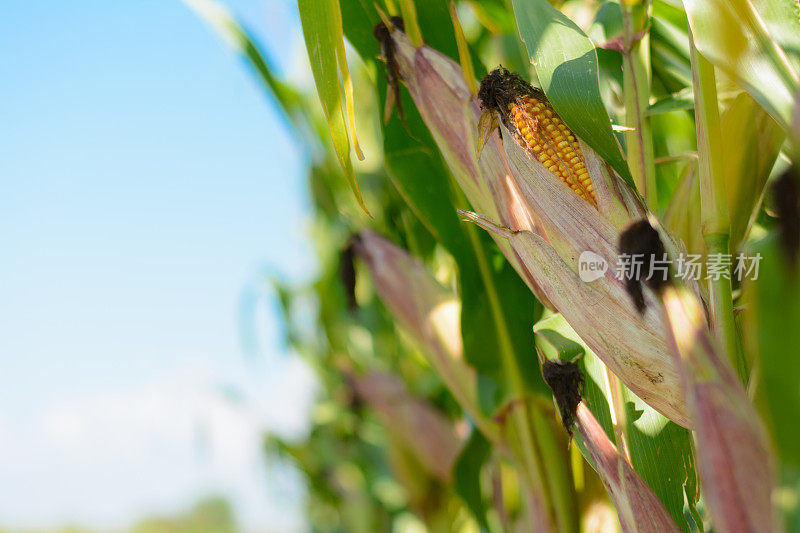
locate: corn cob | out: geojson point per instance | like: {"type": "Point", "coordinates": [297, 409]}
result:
{"type": "Point", "coordinates": [537, 128]}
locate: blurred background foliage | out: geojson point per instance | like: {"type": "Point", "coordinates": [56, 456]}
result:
{"type": "Point", "coordinates": [364, 465]}
{"type": "Point", "coordinates": [212, 515]}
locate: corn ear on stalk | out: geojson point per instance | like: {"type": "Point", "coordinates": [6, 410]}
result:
{"type": "Point", "coordinates": [438, 81]}
{"type": "Point", "coordinates": [540, 222]}
{"type": "Point", "coordinates": [430, 313]}
{"type": "Point", "coordinates": [538, 128]}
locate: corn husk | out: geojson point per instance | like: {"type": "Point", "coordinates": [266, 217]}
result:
{"type": "Point", "coordinates": [451, 113]}
{"type": "Point", "coordinates": [635, 346]}
{"type": "Point", "coordinates": [638, 507]}
{"type": "Point", "coordinates": [428, 312]}
{"type": "Point", "coordinates": [734, 454]}
{"type": "Point", "coordinates": [542, 226]}
{"type": "Point", "coordinates": [422, 429]}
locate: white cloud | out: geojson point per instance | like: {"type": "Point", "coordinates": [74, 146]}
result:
{"type": "Point", "coordinates": [109, 456]}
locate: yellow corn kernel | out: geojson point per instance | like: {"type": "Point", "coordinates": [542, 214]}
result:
{"type": "Point", "coordinates": [547, 138]}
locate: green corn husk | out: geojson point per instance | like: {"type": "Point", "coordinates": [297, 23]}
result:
{"type": "Point", "coordinates": [542, 226]}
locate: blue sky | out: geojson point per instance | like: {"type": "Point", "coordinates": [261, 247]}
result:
{"type": "Point", "coordinates": [145, 180]}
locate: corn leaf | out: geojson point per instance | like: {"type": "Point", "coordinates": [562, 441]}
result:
{"type": "Point", "coordinates": [669, 46]}
{"type": "Point", "coordinates": [434, 15]}
{"type": "Point", "coordinates": [771, 320]}
{"type": "Point", "coordinates": [757, 139]}
{"type": "Point", "coordinates": [733, 36]}
{"type": "Point", "coordinates": [682, 100]}
{"type": "Point", "coordinates": [566, 64]}
{"type": "Point", "coordinates": [771, 333]}
{"type": "Point", "coordinates": [322, 31]}
{"type": "Point", "coordinates": [682, 216]}
{"type": "Point", "coordinates": [782, 18]}
{"type": "Point", "coordinates": [359, 18]}
{"type": "Point", "coordinates": [660, 450]}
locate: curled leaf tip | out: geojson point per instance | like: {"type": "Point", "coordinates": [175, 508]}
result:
{"type": "Point", "coordinates": [566, 381]}
{"type": "Point", "coordinates": [486, 223]}
{"type": "Point", "coordinates": [643, 257]}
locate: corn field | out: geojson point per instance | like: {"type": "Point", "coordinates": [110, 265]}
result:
{"type": "Point", "coordinates": [557, 242]}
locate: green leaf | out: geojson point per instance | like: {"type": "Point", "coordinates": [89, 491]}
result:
{"type": "Point", "coordinates": [437, 27]}
{"type": "Point", "coordinates": [467, 475]}
{"type": "Point", "coordinates": [360, 17]}
{"type": "Point", "coordinates": [433, 16]}
{"type": "Point", "coordinates": [566, 64]}
{"type": "Point", "coordinates": [752, 140]}
{"type": "Point", "coordinates": [358, 21]}
{"type": "Point", "coordinates": [554, 344]}
{"type": "Point", "coordinates": [669, 46]}
{"type": "Point", "coordinates": [660, 450]}
{"type": "Point", "coordinates": [607, 24]}
{"type": "Point", "coordinates": [782, 19]}
{"type": "Point", "coordinates": [681, 100]}
{"type": "Point", "coordinates": [682, 216]}
{"type": "Point", "coordinates": [322, 31]}
{"type": "Point", "coordinates": [734, 37]}
{"type": "Point", "coordinates": [420, 174]}
{"type": "Point", "coordinates": [771, 319]}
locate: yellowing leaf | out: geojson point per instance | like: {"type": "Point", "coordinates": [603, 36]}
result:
{"type": "Point", "coordinates": [751, 140]}
{"type": "Point", "coordinates": [733, 36]}
{"type": "Point", "coordinates": [322, 30]}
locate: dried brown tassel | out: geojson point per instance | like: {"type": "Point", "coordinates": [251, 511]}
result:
{"type": "Point", "coordinates": [388, 51]}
